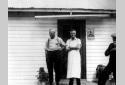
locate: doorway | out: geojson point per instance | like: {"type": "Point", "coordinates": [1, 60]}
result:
{"type": "Point", "coordinates": [64, 27]}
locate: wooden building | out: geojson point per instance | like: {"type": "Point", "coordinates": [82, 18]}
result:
{"type": "Point", "coordinates": [28, 25]}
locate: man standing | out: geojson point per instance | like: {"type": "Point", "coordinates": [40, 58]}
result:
{"type": "Point", "coordinates": [111, 67]}
{"type": "Point", "coordinates": [54, 46]}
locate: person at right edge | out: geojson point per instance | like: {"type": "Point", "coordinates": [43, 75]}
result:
{"type": "Point", "coordinates": [111, 67]}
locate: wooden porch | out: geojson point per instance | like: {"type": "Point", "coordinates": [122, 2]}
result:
{"type": "Point", "coordinates": [66, 81]}
{"type": "Point", "coordinates": [83, 82]}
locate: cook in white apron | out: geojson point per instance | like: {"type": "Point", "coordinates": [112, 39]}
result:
{"type": "Point", "coordinates": [73, 46]}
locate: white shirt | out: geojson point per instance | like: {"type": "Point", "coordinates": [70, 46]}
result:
{"type": "Point", "coordinates": [54, 44]}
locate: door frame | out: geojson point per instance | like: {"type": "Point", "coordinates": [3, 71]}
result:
{"type": "Point", "coordinates": [83, 41]}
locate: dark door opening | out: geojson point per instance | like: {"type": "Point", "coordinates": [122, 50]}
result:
{"type": "Point", "coordinates": [64, 26]}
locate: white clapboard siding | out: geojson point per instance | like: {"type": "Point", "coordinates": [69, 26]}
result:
{"type": "Point", "coordinates": [26, 42]}
{"type": "Point", "coordinates": [95, 49]}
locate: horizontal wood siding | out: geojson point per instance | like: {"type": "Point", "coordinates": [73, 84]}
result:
{"type": "Point", "coordinates": [95, 49]}
{"type": "Point", "coordinates": [26, 42]}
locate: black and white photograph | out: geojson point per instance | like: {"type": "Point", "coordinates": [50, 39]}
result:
{"type": "Point", "coordinates": [62, 42]}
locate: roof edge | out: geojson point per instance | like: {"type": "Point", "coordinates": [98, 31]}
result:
{"type": "Point", "coordinates": [61, 10]}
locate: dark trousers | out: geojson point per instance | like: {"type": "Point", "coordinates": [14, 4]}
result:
{"type": "Point", "coordinates": [77, 80]}
{"type": "Point", "coordinates": [53, 62]}
{"type": "Point", "coordinates": [106, 72]}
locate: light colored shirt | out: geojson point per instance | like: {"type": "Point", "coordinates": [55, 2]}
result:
{"type": "Point", "coordinates": [76, 43]}
{"type": "Point", "coordinates": [54, 44]}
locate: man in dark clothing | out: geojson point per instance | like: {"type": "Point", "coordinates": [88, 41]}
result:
{"type": "Point", "coordinates": [53, 51]}
{"type": "Point", "coordinates": [111, 67]}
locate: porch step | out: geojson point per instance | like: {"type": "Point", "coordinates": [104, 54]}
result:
{"type": "Point", "coordinates": [66, 82]}
{"type": "Point", "coordinates": [83, 82]}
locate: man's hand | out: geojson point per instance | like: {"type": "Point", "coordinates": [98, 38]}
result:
{"type": "Point", "coordinates": [59, 48]}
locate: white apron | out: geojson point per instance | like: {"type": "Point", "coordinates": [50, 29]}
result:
{"type": "Point", "coordinates": [74, 60]}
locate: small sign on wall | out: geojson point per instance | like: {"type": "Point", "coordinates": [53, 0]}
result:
{"type": "Point", "coordinates": [90, 34]}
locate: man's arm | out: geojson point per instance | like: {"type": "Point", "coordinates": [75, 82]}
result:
{"type": "Point", "coordinates": [46, 45]}
{"type": "Point", "coordinates": [107, 52]}
{"type": "Point", "coordinates": [62, 43]}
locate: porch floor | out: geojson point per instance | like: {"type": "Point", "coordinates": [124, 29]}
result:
{"type": "Point", "coordinates": [83, 82]}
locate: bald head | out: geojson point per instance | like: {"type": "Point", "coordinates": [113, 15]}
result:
{"type": "Point", "coordinates": [52, 33]}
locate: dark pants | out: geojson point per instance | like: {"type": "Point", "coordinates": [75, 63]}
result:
{"type": "Point", "coordinates": [53, 62]}
{"type": "Point", "coordinates": [77, 80]}
{"type": "Point", "coordinates": [106, 72]}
